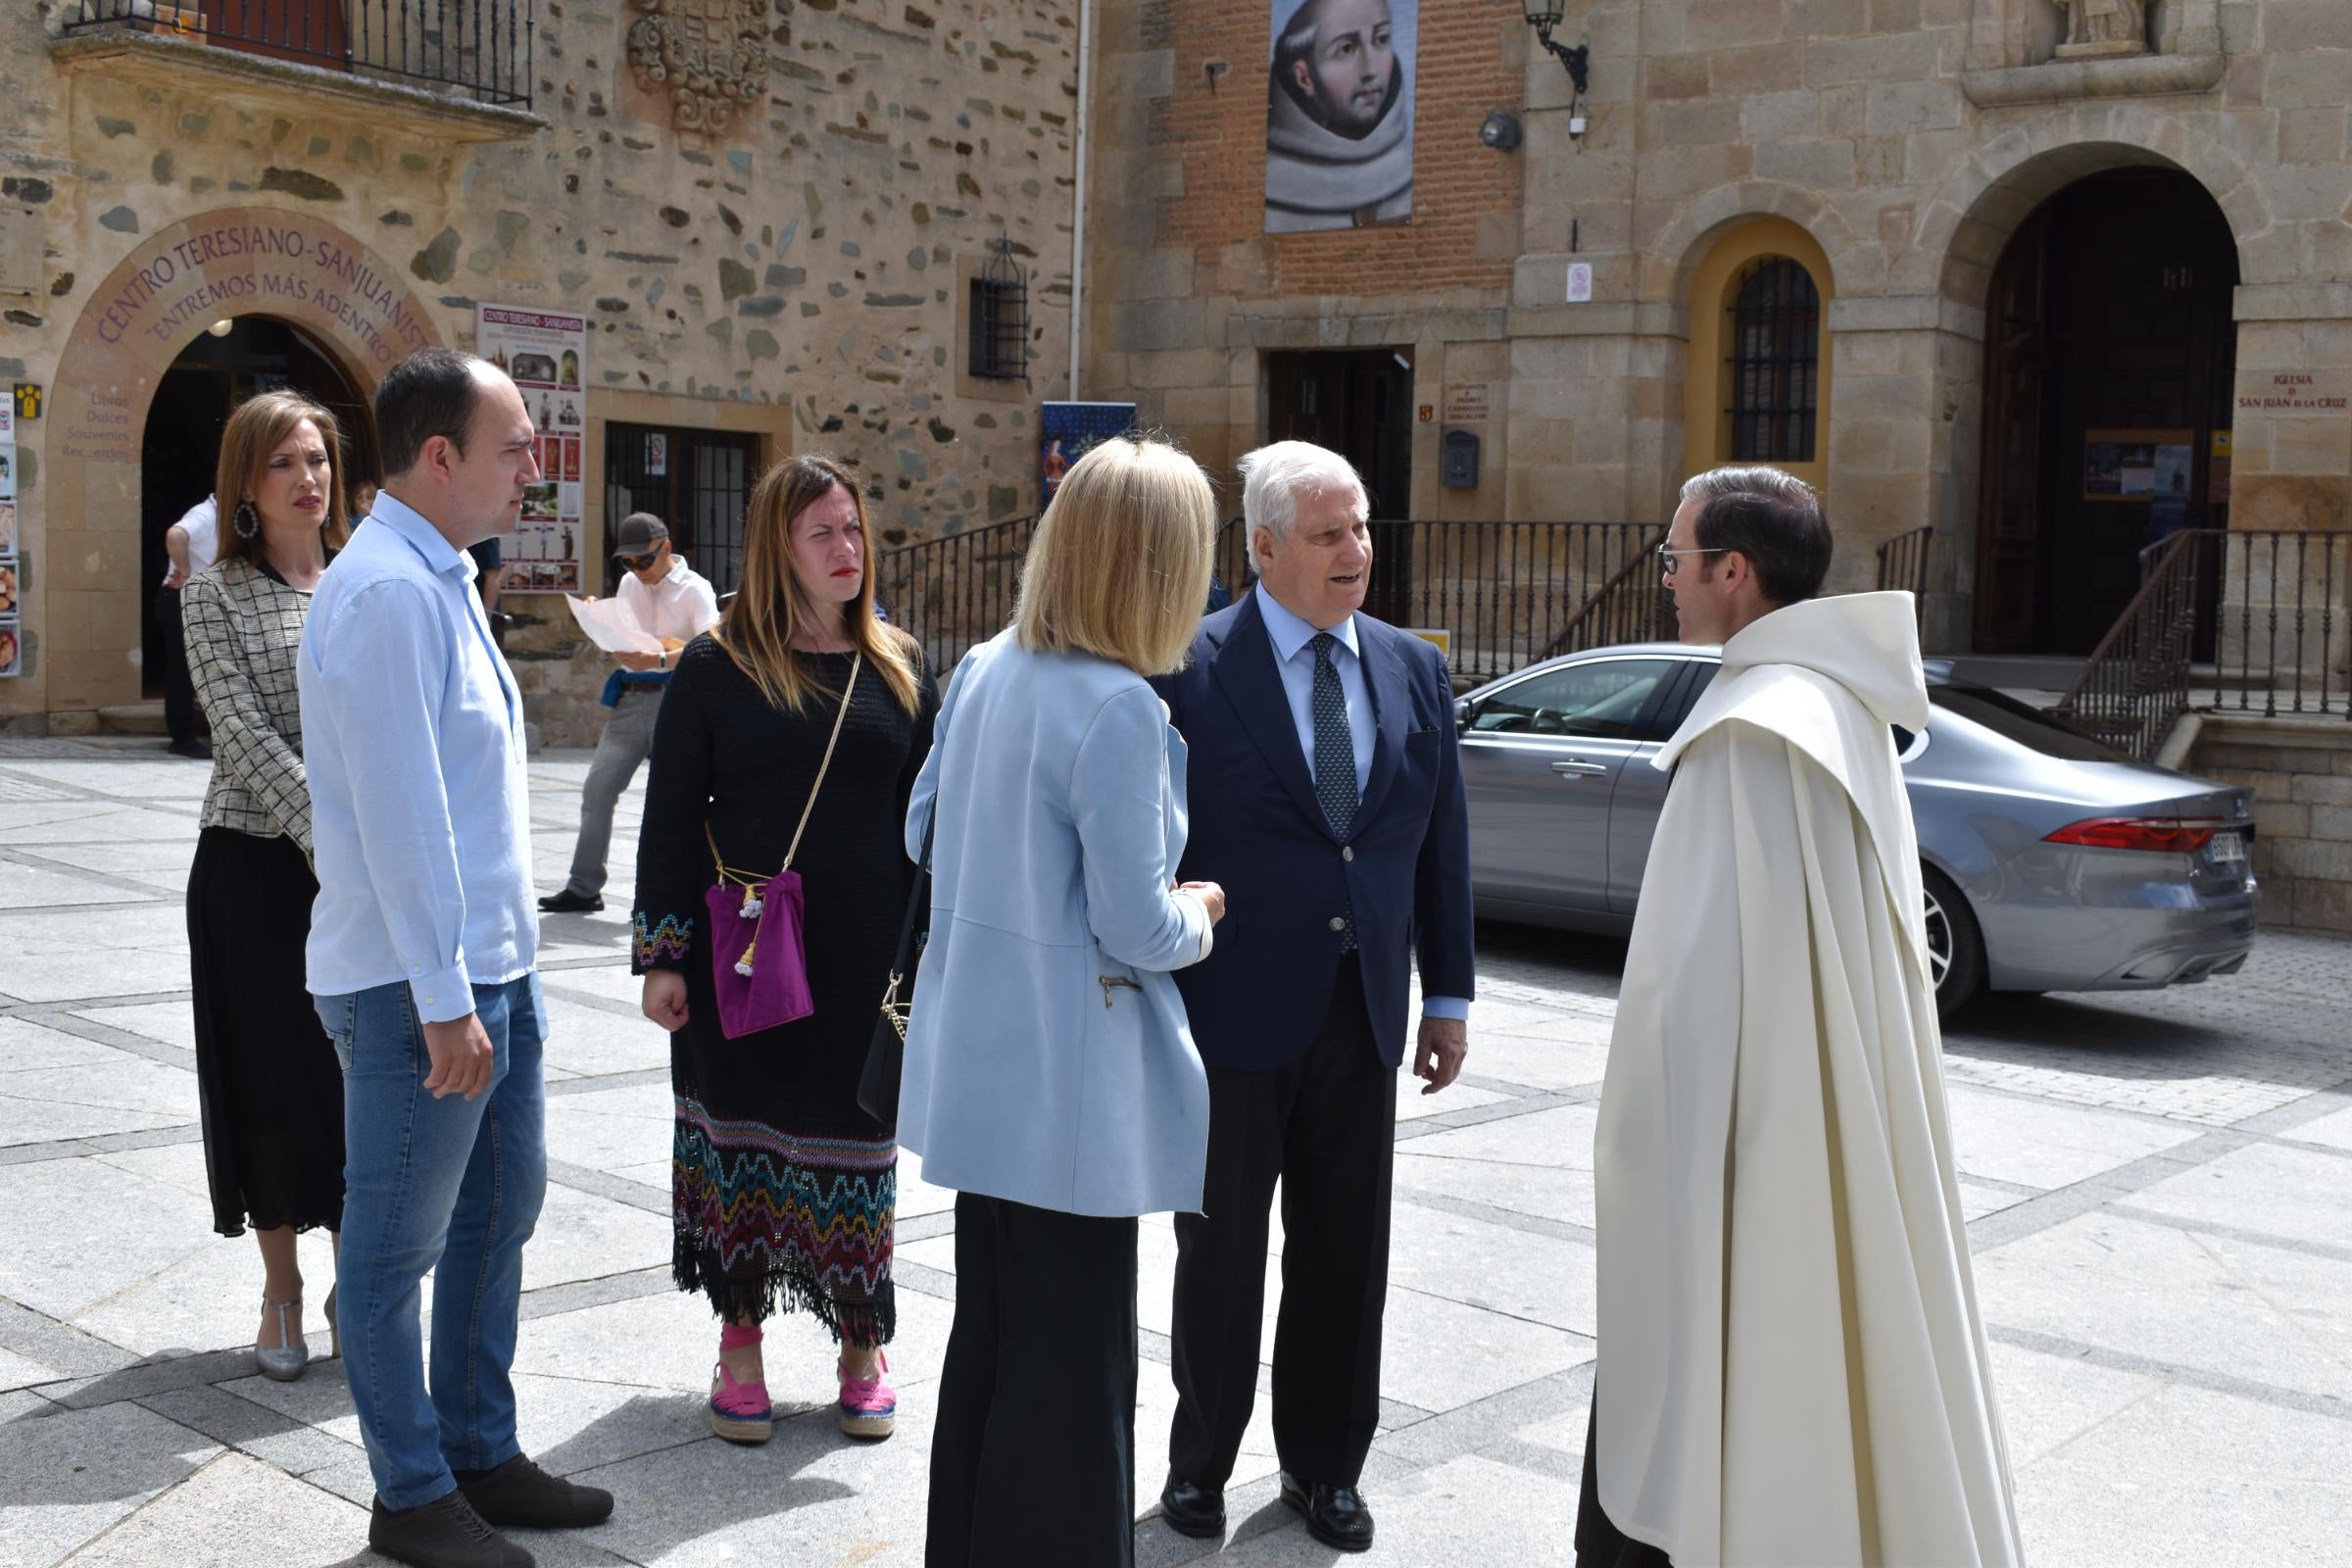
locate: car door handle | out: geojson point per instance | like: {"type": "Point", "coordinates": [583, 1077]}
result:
{"type": "Point", "coordinates": [1577, 767]}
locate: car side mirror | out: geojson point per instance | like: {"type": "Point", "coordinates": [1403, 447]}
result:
{"type": "Point", "coordinates": [1464, 711]}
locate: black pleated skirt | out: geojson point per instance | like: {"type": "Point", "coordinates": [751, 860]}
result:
{"type": "Point", "coordinates": [267, 1074]}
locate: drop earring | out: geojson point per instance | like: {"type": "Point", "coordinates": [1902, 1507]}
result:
{"type": "Point", "coordinates": [248, 522]}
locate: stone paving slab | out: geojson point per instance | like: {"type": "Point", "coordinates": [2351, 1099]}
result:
{"type": "Point", "coordinates": [2159, 1187]}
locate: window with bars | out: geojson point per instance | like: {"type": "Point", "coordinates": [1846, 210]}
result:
{"type": "Point", "coordinates": [1775, 363]}
{"type": "Point", "coordinates": [697, 481]}
{"type": "Point", "coordinates": [998, 350]}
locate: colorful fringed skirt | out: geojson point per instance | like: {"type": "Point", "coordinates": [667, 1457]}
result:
{"type": "Point", "coordinates": [771, 1220]}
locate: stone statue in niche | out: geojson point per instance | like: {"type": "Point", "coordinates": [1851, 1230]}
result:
{"type": "Point", "coordinates": [2098, 27]}
{"type": "Point", "coordinates": [708, 56]}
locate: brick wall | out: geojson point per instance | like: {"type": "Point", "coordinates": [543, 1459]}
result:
{"type": "Point", "coordinates": [1464, 228]}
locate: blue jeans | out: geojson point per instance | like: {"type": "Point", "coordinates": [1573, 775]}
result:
{"type": "Point", "coordinates": [443, 1185]}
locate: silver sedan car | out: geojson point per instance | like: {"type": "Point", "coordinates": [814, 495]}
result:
{"type": "Point", "coordinates": [2052, 862]}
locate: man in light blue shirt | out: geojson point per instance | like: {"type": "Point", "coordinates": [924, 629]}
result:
{"type": "Point", "coordinates": [421, 956]}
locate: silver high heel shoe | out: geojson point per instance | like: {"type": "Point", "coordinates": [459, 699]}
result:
{"type": "Point", "coordinates": [285, 1363]}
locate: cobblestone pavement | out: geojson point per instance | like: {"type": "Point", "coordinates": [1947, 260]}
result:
{"type": "Point", "coordinates": [2159, 1188]}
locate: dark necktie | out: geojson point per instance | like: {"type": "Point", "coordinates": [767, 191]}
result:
{"type": "Point", "coordinates": [1335, 759]}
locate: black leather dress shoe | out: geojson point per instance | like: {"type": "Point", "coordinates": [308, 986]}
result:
{"type": "Point", "coordinates": [1191, 1510]}
{"type": "Point", "coordinates": [570, 903]}
{"type": "Point", "coordinates": [445, 1532]}
{"type": "Point", "coordinates": [1335, 1515]}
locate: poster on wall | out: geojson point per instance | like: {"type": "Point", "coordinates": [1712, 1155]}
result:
{"type": "Point", "coordinates": [2135, 465]}
{"type": "Point", "coordinates": [12, 635]}
{"type": "Point", "coordinates": [1067, 429]}
{"type": "Point", "coordinates": [1340, 114]}
{"type": "Point", "coordinates": [546, 353]}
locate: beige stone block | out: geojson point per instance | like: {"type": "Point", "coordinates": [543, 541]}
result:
{"type": "Point", "coordinates": [1828, 18]}
{"type": "Point", "coordinates": [1902, 108]}
{"type": "Point", "coordinates": [1816, 164]}
{"type": "Point", "coordinates": [2321, 789]}
{"type": "Point", "coordinates": [1909, 57]}
{"type": "Point", "coordinates": [1879, 162]}
{"type": "Point", "coordinates": [2311, 445]}
{"type": "Point", "coordinates": [1177, 367]}
{"type": "Point", "coordinates": [2312, 79]}
{"type": "Point", "coordinates": [1772, 115]}
{"type": "Point", "coordinates": [2290, 26]}
{"type": "Point", "coordinates": [1674, 78]}
{"type": "Point", "coordinates": [1498, 236]}
{"type": "Point", "coordinates": [1933, 157]}
{"type": "Point", "coordinates": [1681, 171]}
{"type": "Point", "coordinates": [1730, 24]}
{"type": "Point", "coordinates": [1768, 68]}
{"type": "Point", "coordinates": [1691, 122]}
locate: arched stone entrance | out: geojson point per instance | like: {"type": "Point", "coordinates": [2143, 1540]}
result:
{"type": "Point", "coordinates": [229, 263]}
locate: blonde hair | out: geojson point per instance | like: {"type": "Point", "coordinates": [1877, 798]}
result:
{"type": "Point", "coordinates": [771, 607]}
{"type": "Point", "coordinates": [261, 424]}
{"type": "Point", "coordinates": [1120, 561]}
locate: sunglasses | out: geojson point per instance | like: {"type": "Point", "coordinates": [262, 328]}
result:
{"type": "Point", "coordinates": [640, 563]}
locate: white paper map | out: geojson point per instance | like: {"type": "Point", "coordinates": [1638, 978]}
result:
{"type": "Point", "coordinates": [609, 625]}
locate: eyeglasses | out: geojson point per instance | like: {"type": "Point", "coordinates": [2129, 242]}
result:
{"type": "Point", "coordinates": [640, 563]}
{"type": "Point", "coordinates": [1671, 561]}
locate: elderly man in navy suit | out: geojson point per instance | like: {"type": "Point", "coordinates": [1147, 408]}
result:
{"type": "Point", "coordinates": [1327, 799]}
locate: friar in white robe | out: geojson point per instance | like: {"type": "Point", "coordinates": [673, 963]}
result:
{"type": "Point", "coordinates": [1792, 1369]}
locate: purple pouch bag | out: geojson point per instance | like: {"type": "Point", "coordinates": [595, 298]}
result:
{"type": "Point", "coordinates": [759, 968]}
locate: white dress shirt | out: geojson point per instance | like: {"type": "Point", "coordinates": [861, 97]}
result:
{"type": "Point", "coordinates": [419, 812]}
{"type": "Point", "coordinates": [682, 605]}
{"type": "Point", "coordinates": [1294, 661]}
{"type": "Point", "coordinates": [201, 523]}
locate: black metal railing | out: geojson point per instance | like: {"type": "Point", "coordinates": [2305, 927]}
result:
{"type": "Point", "coordinates": [1501, 592]}
{"type": "Point", "coordinates": [2269, 603]}
{"type": "Point", "coordinates": [2282, 633]}
{"type": "Point", "coordinates": [2135, 682]}
{"type": "Point", "coordinates": [1903, 563]}
{"type": "Point", "coordinates": [480, 49]}
{"type": "Point", "coordinates": [1629, 606]}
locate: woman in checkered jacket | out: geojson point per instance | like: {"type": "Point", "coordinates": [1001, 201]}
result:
{"type": "Point", "coordinates": [270, 1086]}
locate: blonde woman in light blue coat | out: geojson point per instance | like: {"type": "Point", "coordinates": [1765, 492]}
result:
{"type": "Point", "coordinates": [1049, 1077]}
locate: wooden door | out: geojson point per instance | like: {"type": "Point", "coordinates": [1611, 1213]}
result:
{"type": "Point", "coordinates": [2009, 507]}
{"type": "Point", "coordinates": [1357, 404]}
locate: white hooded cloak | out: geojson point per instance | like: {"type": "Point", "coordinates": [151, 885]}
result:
{"type": "Point", "coordinates": [1792, 1368]}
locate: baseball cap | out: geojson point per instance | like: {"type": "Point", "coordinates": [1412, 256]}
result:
{"type": "Point", "coordinates": [639, 532]}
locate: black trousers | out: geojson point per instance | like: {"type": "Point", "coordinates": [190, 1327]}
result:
{"type": "Point", "coordinates": [1326, 1126]}
{"type": "Point", "coordinates": [179, 688]}
{"type": "Point", "coordinates": [1033, 1456]}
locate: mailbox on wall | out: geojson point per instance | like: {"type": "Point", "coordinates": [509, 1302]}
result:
{"type": "Point", "coordinates": [1458, 467]}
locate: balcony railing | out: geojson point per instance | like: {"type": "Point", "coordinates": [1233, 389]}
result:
{"type": "Point", "coordinates": [478, 49]}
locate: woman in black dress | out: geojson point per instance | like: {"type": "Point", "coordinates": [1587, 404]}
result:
{"type": "Point", "coordinates": [783, 1191]}
{"type": "Point", "coordinates": [270, 1088]}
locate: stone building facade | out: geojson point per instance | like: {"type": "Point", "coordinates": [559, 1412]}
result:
{"type": "Point", "coordinates": [2011, 246]}
{"type": "Point", "coordinates": [770, 213]}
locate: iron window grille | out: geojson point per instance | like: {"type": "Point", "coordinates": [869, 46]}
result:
{"type": "Point", "coordinates": [1775, 362]}
{"type": "Point", "coordinates": [1000, 318]}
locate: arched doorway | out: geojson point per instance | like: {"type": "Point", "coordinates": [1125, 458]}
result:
{"type": "Point", "coordinates": [2109, 356]}
{"type": "Point", "coordinates": [291, 273]}
{"type": "Point", "coordinates": [229, 361]}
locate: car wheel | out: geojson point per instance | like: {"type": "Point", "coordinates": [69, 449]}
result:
{"type": "Point", "coordinates": [1955, 950]}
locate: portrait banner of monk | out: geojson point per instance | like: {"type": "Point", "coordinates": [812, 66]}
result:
{"type": "Point", "coordinates": [1340, 114]}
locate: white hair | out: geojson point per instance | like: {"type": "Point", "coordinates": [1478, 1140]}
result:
{"type": "Point", "coordinates": [1274, 477]}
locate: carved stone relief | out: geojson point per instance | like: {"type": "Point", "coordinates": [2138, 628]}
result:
{"type": "Point", "coordinates": [708, 56]}
{"type": "Point", "coordinates": [2099, 28]}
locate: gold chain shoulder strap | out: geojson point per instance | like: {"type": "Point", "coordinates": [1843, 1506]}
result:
{"type": "Point", "coordinates": [749, 880]}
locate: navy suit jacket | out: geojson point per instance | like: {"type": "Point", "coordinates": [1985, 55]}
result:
{"type": "Point", "coordinates": [1256, 830]}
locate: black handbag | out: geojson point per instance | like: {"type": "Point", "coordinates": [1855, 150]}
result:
{"type": "Point", "coordinates": [886, 1056]}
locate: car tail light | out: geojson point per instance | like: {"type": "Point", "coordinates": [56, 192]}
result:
{"type": "Point", "coordinates": [2166, 834]}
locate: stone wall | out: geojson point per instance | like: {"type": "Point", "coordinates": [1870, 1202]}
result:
{"type": "Point", "coordinates": [2300, 770]}
{"type": "Point", "coordinates": [792, 259]}
{"type": "Point", "coordinates": [1907, 137]}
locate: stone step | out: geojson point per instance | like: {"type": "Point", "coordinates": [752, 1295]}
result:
{"type": "Point", "coordinates": [133, 718]}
